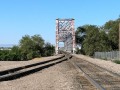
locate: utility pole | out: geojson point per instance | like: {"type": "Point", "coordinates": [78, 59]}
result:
{"type": "Point", "coordinates": [119, 37]}
{"type": "Point", "coordinates": [119, 41]}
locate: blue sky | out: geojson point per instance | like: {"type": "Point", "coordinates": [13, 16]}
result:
{"type": "Point", "coordinates": [21, 17]}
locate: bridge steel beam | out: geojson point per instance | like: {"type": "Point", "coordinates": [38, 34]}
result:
{"type": "Point", "coordinates": [65, 33]}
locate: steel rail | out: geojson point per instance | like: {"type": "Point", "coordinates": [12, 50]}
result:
{"type": "Point", "coordinates": [95, 84]}
{"type": "Point", "coordinates": [17, 73]}
{"type": "Point", "coordinates": [115, 74]}
{"type": "Point", "coordinates": [101, 78]}
{"type": "Point", "coordinates": [7, 71]}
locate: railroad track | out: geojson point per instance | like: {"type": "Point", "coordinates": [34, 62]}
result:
{"type": "Point", "coordinates": [84, 83]}
{"type": "Point", "coordinates": [91, 76]}
{"type": "Point", "coordinates": [99, 77]}
{"type": "Point", "coordinates": [22, 71]}
{"type": "Point", "coordinates": [17, 72]}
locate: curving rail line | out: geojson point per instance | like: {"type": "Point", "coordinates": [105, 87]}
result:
{"type": "Point", "coordinates": [91, 76]}
{"type": "Point", "coordinates": [18, 72]}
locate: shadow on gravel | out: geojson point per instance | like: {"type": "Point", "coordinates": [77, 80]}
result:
{"type": "Point", "coordinates": [22, 74]}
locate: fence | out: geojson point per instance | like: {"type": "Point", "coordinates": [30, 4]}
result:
{"type": "Point", "coordinates": [113, 55]}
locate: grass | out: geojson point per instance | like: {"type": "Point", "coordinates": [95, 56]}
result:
{"type": "Point", "coordinates": [117, 61]}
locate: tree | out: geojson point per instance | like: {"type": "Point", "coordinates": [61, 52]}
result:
{"type": "Point", "coordinates": [49, 49]}
{"type": "Point", "coordinates": [38, 44]}
{"type": "Point", "coordinates": [104, 43]}
{"type": "Point", "coordinates": [31, 47]}
{"type": "Point", "coordinates": [4, 55]}
{"type": "Point", "coordinates": [93, 39]}
{"type": "Point", "coordinates": [91, 44]}
{"type": "Point", "coordinates": [26, 45]}
{"type": "Point", "coordinates": [80, 34]}
{"type": "Point", "coordinates": [113, 35]}
{"type": "Point", "coordinates": [15, 53]}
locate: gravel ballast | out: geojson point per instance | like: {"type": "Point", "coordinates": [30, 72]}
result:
{"type": "Point", "coordinates": [4, 65]}
{"type": "Point", "coordinates": [109, 65]}
{"type": "Point", "coordinates": [61, 76]}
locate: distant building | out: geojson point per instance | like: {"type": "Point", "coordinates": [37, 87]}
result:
{"type": "Point", "coordinates": [5, 48]}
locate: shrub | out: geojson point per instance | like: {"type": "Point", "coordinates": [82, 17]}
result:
{"type": "Point", "coordinates": [117, 61]}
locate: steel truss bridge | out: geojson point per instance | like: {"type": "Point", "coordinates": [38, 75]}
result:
{"type": "Point", "coordinates": [65, 33]}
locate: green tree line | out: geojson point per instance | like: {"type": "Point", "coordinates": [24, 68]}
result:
{"type": "Point", "coordinates": [29, 47]}
{"type": "Point", "coordinates": [92, 38]}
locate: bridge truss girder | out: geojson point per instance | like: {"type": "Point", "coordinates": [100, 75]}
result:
{"type": "Point", "coordinates": [65, 33]}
